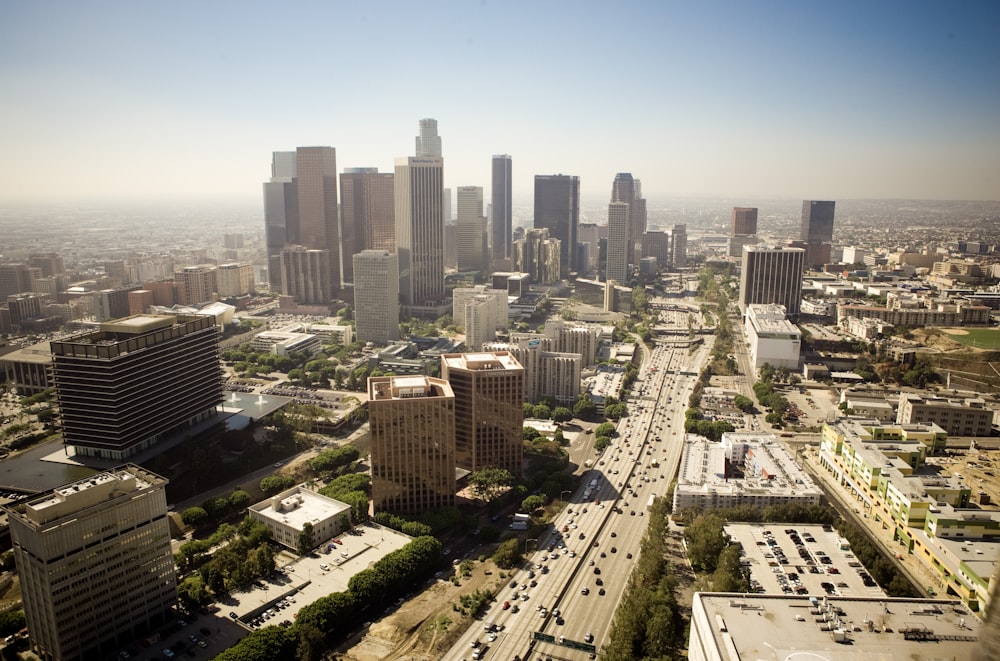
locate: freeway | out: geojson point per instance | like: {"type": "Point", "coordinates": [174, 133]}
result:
{"type": "Point", "coordinates": [569, 586]}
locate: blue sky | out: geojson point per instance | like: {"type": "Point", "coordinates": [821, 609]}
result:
{"type": "Point", "coordinates": [806, 99]}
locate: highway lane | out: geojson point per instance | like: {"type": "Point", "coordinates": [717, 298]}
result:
{"type": "Point", "coordinates": [562, 564]}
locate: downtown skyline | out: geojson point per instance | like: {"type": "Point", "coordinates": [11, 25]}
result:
{"type": "Point", "coordinates": [117, 100]}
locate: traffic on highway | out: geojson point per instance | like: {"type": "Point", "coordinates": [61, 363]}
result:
{"type": "Point", "coordinates": [561, 601]}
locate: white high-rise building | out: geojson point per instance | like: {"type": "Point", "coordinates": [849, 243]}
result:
{"type": "Point", "coordinates": [619, 245]}
{"type": "Point", "coordinates": [483, 311]}
{"type": "Point", "coordinates": [471, 250]}
{"type": "Point", "coordinates": [428, 142]}
{"type": "Point", "coordinates": [419, 191]}
{"type": "Point", "coordinates": [376, 296]}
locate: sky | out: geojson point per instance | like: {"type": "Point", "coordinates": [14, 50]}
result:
{"type": "Point", "coordinates": [185, 100]}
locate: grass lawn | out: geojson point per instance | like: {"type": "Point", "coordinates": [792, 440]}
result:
{"type": "Point", "coordinates": [979, 338]}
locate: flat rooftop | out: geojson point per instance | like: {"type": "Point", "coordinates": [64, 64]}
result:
{"type": "Point", "coordinates": [784, 628]}
{"type": "Point", "coordinates": [481, 361]}
{"type": "Point", "coordinates": [778, 567]}
{"type": "Point", "coordinates": [299, 508]}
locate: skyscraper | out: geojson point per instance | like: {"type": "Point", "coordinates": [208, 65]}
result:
{"type": "Point", "coordinates": [817, 231]}
{"type": "Point", "coordinates": [428, 142]}
{"type": "Point", "coordinates": [124, 388]}
{"type": "Point", "coordinates": [316, 190]}
{"type": "Point", "coordinates": [419, 188]}
{"type": "Point", "coordinates": [482, 311]}
{"type": "Point", "coordinates": [538, 255]}
{"type": "Point", "coordinates": [619, 243]}
{"type": "Point", "coordinates": [376, 296]}
{"type": "Point", "coordinates": [280, 213]}
{"type": "Point", "coordinates": [94, 563]}
{"type": "Point", "coordinates": [772, 275]}
{"type": "Point", "coordinates": [412, 421]}
{"type": "Point", "coordinates": [501, 196]}
{"type": "Point", "coordinates": [368, 214]}
{"type": "Point", "coordinates": [744, 221]}
{"type": "Point", "coordinates": [817, 221]}
{"type": "Point", "coordinates": [557, 208]}
{"type": "Point", "coordinates": [489, 412]}
{"type": "Point", "coordinates": [471, 249]}
{"type": "Point", "coordinates": [679, 246]}
{"type": "Point", "coordinates": [305, 274]}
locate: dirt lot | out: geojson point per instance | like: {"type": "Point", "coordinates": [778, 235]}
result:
{"type": "Point", "coordinates": [423, 628]}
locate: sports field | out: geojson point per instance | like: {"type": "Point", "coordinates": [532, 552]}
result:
{"type": "Point", "coordinates": [978, 338]}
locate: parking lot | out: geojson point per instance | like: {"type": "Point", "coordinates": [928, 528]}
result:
{"type": "Point", "coordinates": [308, 578]}
{"type": "Point", "coordinates": [794, 558]}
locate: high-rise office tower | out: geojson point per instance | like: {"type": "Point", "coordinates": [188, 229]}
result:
{"type": "Point", "coordinates": [280, 213]}
{"type": "Point", "coordinates": [557, 208]}
{"type": "Point", "coordinates": [817, 231]}
{"type": "Point", "coordinates": [16, 279]}
{"type": "Point", "coordinates": [376, 296]}
{"type": "Point", "coordinates": [50, 263]}
{"type": "Point", "coordinates": [619, 243]}
{"type": "Point", "coordinates": [772, 275]}
{"type": "Point", "coordinates": [489, 394]}
{"type": "Point", "coordinates": [679, 246]}
{"type": "Point", "coordinates": [817, 221]}
{"type": "Point", "coordinates": [94, 563]}
{"type": "Point", "coordinates": [657, 244]}
{"type": "Point", "coordinates": [316, 190]}
{"type": "Point", "coordinates": [471, 249]}
{"type": "Point", "coordinates": [637, 210]}
{"type": "Point", "coordinates": [428, 142]}
{"type": "Point", "coordinates": [588, 234]}
{"type": "Point", "coordinates": [368, 214]}
{"type": "Point", "coordinates": [744, 221]}
{"type": "Point", "coordinates": [412, 421]}
{"type": "Point", "coordinates": [538, 255]}
{"type": "Point", "coordinates": [501, 195]}
{"type": "Point", "coordinates": [305, 274]}
{"type": "Point", "coordinates": [300, 208]}
{"type": "Point", "coordinates": [419, 188]}
{"type": "Point", "coordinates": [124, 388]}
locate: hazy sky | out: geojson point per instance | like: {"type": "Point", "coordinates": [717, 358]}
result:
{"type": "Point", "coordinates": [801, 99]}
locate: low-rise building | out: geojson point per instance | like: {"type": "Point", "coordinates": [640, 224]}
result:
{"type": "Point", "coordinates": [769, 476]}
{"type": "Point", "coordinates": [763, 627]}
{"type": "Point", "coordinates": [287, 513]}
{"type": "Point", "coordinates": [958, 417]}
{"type": "Point", "coordinates": [773, 339]}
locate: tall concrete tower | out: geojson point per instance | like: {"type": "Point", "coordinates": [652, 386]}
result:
{"type": "Point", "coordinates": [501, 196]}
{"type": "Point", "coordinates": [419, 189]}
{"type": "Point", "coordinates": [619, 243]}
{"type": "Point", "coordinates": [471, 249]}
{"type": "Point", "coordinates": [428, 142]}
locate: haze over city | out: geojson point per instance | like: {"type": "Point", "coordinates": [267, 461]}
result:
{"type": "Point", "coordinates": [121, 101]}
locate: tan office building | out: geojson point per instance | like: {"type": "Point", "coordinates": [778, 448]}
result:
{"type": "Point", "coordinates": [94, 563]}
{"type": "Point", "coordinates": [412, 420]}
{"type": "Point", "coordinates": [489, 393]}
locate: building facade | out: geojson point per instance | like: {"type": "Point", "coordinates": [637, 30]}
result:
{"type": "Point", "coordinates": [95, 564]}
{"type": "Point", "coordinates": [744, 221]}
{"type": "Point", "coordinates": [557, 208]}
{"type": "Point", "coordinates": [482, 311]}
{"type": "Point", "coordinates": [772, 275]}
{"type": "Point", "coordinates": [376, 296]}
{"type": "Point", "coordinates": [305, 275]}
{"type": "Point", "coordinates": [234, 280]}
{"type": "Point", "coordinates": [135, 381]}
{"type": "Point", "coordinates": [620, 246]}
{"type": "Point", "coordinates": [958, 417]}
{"type": "Point", "coordinates": [773, 339]}
{"type": "Point", "coordinates": [419, 189]}
{"type": "Point", "coordinates": [368, 213]}
{"type": "Point", "coordinates": [412, 420]}
{"type": "Point", "coordinates": [472, 251]}
{"type": "Point", "coordinates": [489, 391]}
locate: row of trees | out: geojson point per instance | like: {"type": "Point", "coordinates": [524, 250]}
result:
{"type": "Point", "coordinates": [775, 402]}
{"type": "Point", "coordinates": [711, 550]}
{"type": "Point", "coordinates": [331, 616]}
{"type": "Point", "coordinates": [215, 509]}
{"type": "Point", "coordinates": [239, 555]}
{"type": "Point", "coordinates": [695, 423]}
{"type": "Point", "coordinates": [648, 623]}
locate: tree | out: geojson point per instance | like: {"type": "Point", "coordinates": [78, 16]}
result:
{"type": "Point", "coordinates": [532, 503]}
{"type": "Point", "coordinates": [305, 543]}
{"type": "Point", "coordinates": [528, 408]}
{"type": "Point", "coordinates": [562, 414]}
{"type": "Point", "coordinates": [605, 429]}
{"type": "Point", "coordinates": [239, 500]}
{"type": "Point", "coordinates": [541, 411]}
{"type": "Point", "coordinates": [614, 411]}
{"type": "Point", "coordinates": [706, 539]}
{"type": "Point", "coordinates": [489, 483]}
{"type": "Point", "coordinates": [508, 554]}
{"type": "Point", "coordinates": [584, 408]}
{"type": "Point", "coordinates": [743, 403]}
{"type": "Point", "coordinates": [194, 516]}
{"type": "Point", "coordinates": [273, 484]}
{"type": "Point", "coordinates": [489, 534]}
